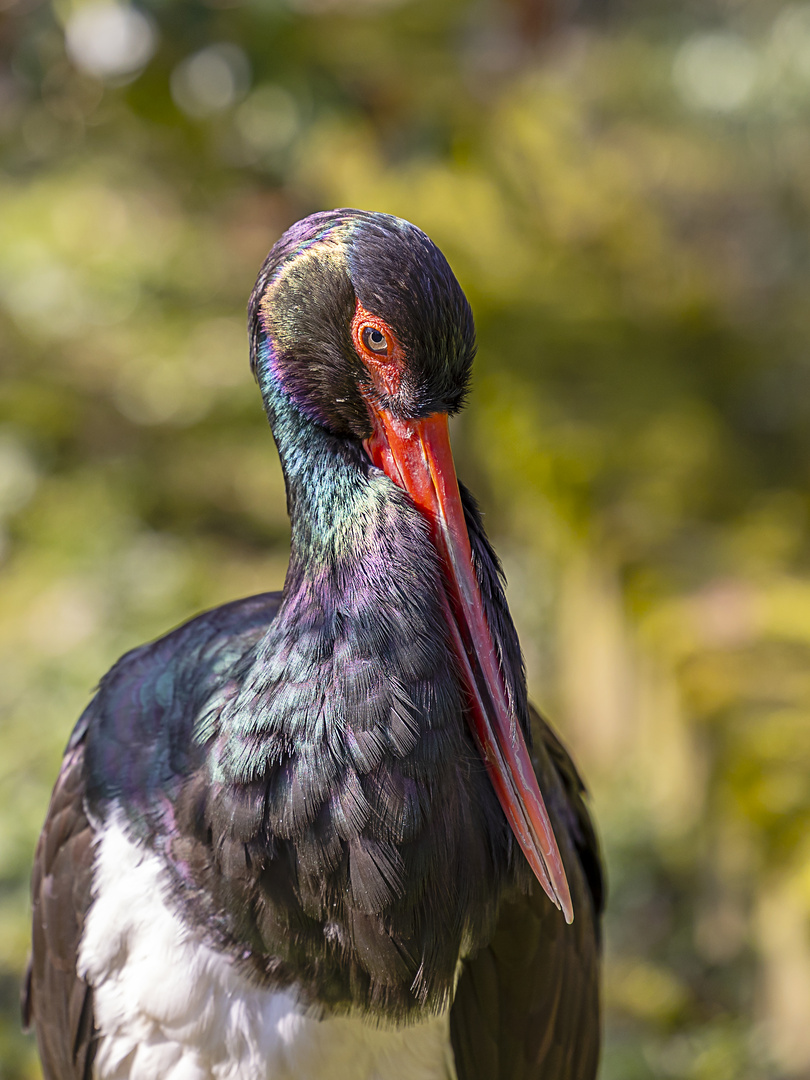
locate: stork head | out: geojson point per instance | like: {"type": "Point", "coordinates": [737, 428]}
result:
{"type": "Point", "coordinates": [355, 307]}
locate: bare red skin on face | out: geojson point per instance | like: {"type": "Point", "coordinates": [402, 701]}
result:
{"type": "Point", "coordinates": [386, 367]}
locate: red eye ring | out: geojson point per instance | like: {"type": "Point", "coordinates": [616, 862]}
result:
{"type": "Point", "coordinates": [373, 338]}
{"type": "Point", "coordinates": [384, 364]}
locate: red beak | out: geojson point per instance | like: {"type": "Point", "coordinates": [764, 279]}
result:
{"type": "Point", "coordinates": [416, 455]}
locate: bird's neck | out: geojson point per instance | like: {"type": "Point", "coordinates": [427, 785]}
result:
{"type": "Point", "coordinates": [331, 490]}
{"type": "Point", "coordinates": [364, 584]}
{"type": "Point", "coordinates": [356, 537]}
{"type": "Point", "coordinates": [361, 605]}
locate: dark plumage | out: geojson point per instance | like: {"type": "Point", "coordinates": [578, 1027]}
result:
{"type": "Point", "coordinates": [300, 762]}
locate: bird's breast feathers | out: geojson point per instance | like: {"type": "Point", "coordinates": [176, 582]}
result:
{"type": "Point", "coordinates": [171, 1006]}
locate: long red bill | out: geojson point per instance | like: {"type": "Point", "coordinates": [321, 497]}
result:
{"type": "Point", "coordinates": [416, 455]}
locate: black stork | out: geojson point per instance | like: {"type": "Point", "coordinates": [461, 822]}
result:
{"type": "Point", "coordinates": [302, 835]}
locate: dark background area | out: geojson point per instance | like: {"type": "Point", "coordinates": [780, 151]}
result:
{"type": "Point", "coordinates": [623, 189]}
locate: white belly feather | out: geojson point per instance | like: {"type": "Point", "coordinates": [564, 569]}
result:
{"type": "Point", "coordinates": [171, 1008]}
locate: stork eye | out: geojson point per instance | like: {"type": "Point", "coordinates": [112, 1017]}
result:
{"type": "Point", "coordinates": [374, 339]}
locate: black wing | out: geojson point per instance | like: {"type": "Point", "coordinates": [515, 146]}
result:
{"type": "Point", "coordinates": [129, 750]}
{"type": "Point", "coordinates": [55, 999]}
{"type": "Point", "coordinates": [527, 1006]}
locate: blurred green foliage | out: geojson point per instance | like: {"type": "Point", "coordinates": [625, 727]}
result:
{"type": "Point", "coordinates": [624, 191]}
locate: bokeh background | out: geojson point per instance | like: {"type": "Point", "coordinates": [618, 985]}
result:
{"type": "Point", "coordinates": [623, 188]}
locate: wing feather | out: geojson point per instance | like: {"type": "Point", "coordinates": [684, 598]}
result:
{"type": "Point", "coordinates": [55, 999]}
{"type": "Point", "coordinates": [527, 1006]}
